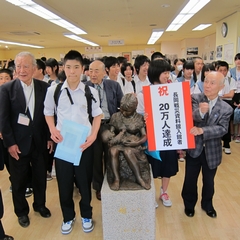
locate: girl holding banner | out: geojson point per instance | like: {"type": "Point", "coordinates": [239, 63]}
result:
{"type": "Point", "coordinates": [158, 73]}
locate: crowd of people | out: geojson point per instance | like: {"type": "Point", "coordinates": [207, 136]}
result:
{"type": "Point", "coordinates": [37, 95]}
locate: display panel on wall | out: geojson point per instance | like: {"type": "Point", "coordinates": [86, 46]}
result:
{"type": "Point", "coordinates": [127, 55]}
{"type": "Point", "coordinates": [192, 51]}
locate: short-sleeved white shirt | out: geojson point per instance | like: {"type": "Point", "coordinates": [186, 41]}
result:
{"type": "Point", "coordinates": [139, 84]}
{"type": "Point", "coordinates": [77, 111]}
{"type": "Point", "coordinates": [127, 87]}
{"type": "Point", "coordinates": [228, 87]}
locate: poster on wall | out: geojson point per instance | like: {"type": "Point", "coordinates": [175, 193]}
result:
{"type": "Point", "coordinates": [228, 53]}
{"type": "Point", "coordinates": [219, 52]}
{"type": "Point", "coordinates": [93, 49]}
{"type": "Point", "coordinates": [192, 51]}
{"type": "Point", "coordinates": [172, 57]}
{"type": "Point", "coordinates": [204, 56]}
{"type": "Point", "coordinates": [211, 55]}
{"type": "Point", "coordinates": [127, 55]}
{"type": "Point", "coordinates": [96, 56]}
{"type": "Point", "coordinates": [136, 53]}
{"type": "Point", "coordinates": [149, 52]}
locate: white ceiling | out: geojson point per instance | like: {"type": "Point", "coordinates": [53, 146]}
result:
{"type": "Point", "coordinates": [104, 20]}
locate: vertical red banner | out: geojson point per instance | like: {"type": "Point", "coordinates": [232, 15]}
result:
{"type": "Point", "coordinates": [149, 122]}
{"type": "Point", "coordinates": [188, 114]}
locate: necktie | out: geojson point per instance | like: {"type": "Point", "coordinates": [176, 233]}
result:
{"type": "Point", "coordinates": [210, 106]}
{"type": "Point", "coordinates": [99, 94]}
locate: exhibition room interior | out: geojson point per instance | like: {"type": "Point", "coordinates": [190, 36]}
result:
{"type": "Point", "coordinates": [114, 27]}
{"type": "Point", "coordinates": [118, 27]}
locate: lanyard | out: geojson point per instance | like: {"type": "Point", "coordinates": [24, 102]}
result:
{"type": "Point", "coordinates": [27, 105]}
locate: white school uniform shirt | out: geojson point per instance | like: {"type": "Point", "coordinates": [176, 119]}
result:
{"type": "Point", "coordinates": [127, 88]}
{"type": "Point", "coordinates": [228, 87]}
{"type": "Point", "coordinates": [139, 84]}
{"type": "Point", "coordinates": [65, 110]}
{"type": "Point", "coordinates": [237, 81]}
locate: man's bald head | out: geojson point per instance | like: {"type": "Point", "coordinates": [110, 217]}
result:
{"type": "Point", "coordinates": [96, 71]}
{"type": "Point", "coordinates": [213, 83]}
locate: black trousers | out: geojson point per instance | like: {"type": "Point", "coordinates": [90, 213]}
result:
{"type": "Point", "coordinates": [100, 153]}
{"type": "Point", "coordinates": [19, 170]}
{"type": "Point", "coordinates": [2, 233]}
{"type": "Point", "coordinates": [4, 155]}
{"type": "Point", "coordinates": [189, 191]}
{"type": "Point", "coordinates": [67, 174]}
{"type": "Point", "coordinates": [227, 137]}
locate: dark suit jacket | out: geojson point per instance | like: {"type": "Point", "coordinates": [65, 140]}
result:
{"type": "Point", "coordinates": [214, 127]}
{"type": "Point", "coordinates": [13, 103]}
{"type": "Point", "coordinates": [113, 92]}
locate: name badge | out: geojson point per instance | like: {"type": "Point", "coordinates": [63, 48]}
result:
{"type": "Point", "coordinates": [23, 119]}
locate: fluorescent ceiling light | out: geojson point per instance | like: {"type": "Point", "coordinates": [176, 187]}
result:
{"type": "Point", "coordinates": [192, 7]}
{"type": "Point", "coordinates": [201, 27]}
{"type": "Point", "coordinates": [156, 34]}
{"type": "Point", "coordinates": [42, 12]}
{"type": "Point", "coordinates": [79, 39]}
{"type": "Point", "coordinates": [20, 44]}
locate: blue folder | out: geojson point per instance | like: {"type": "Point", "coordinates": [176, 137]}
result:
{"type": "Point", "coordinates": [74, 135]}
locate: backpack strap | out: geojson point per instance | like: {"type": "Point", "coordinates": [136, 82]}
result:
{"type": "Point", "coordinates": [89, 98]}
{"type": "Point", "coordinates": [57, 93]}
{"type": "Point", "coordinates": [123, 81]}
{"type": "Point", "coordinates": [50, 81]}
{"type": "Point", "coordinates": [134, 86]}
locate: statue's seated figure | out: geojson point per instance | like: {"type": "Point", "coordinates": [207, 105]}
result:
{"type": "Point", "coordinates": [128, 167]}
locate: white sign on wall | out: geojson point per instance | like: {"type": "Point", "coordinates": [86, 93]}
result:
{"type": "Point", "coordinates": [118, 42]}
{"type": "Point", "coordinates": [93, 49]}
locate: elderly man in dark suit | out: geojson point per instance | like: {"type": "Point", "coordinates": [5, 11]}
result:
{"type": "Point", "coordinates": [211, 117]}
{"type": "Point", "coordinates": [25, 134]}
{"type": "Point", "coordinates": [110, 95]}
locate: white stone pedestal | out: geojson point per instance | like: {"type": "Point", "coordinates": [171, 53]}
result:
{"type": "Point", "coordinates": [128, 215]}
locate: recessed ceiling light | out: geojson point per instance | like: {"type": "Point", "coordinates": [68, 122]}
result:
{"type": "Point", "coordinates": [20, 44]}
{"type": "Point", "coordinates": [156, 34]}
{"type": "Point", "coordinates": [201, 27]}
{"type": "Point", "coordinates": [191, 8]}
{"type": "Point", "coordinates": [79, 39]}
{"type": "Point", "coordinates": [42, 12]}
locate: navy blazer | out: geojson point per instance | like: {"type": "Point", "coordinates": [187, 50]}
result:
{"type": "Point", "coordinates": [13, 103]}
{"type": "Point", "coordinates": [214, 127]}
{"type": "Point", "coordinates": [113, 92]}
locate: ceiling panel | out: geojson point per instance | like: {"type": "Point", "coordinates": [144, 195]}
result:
{"type": "Point", "coordinates": [130, 20]}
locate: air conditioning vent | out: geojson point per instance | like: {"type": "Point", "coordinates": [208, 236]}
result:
{"type": "Point", "coordinates": [24, 33]}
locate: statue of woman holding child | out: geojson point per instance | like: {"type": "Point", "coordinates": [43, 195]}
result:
{"type": "Point", "coordinates": [128, 163]}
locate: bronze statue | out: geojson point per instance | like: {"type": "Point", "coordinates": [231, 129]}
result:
{"type": "Point", "coordinates": [128, 165]}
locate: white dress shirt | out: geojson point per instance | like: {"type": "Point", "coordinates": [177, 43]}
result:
{"type": "Point", "coordinates": [29, 94]}
{"type": "Point", "coordinates": [77, 111]}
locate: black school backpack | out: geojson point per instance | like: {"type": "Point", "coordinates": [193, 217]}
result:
{"type": "Point", "coordinates": [88, 95]}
